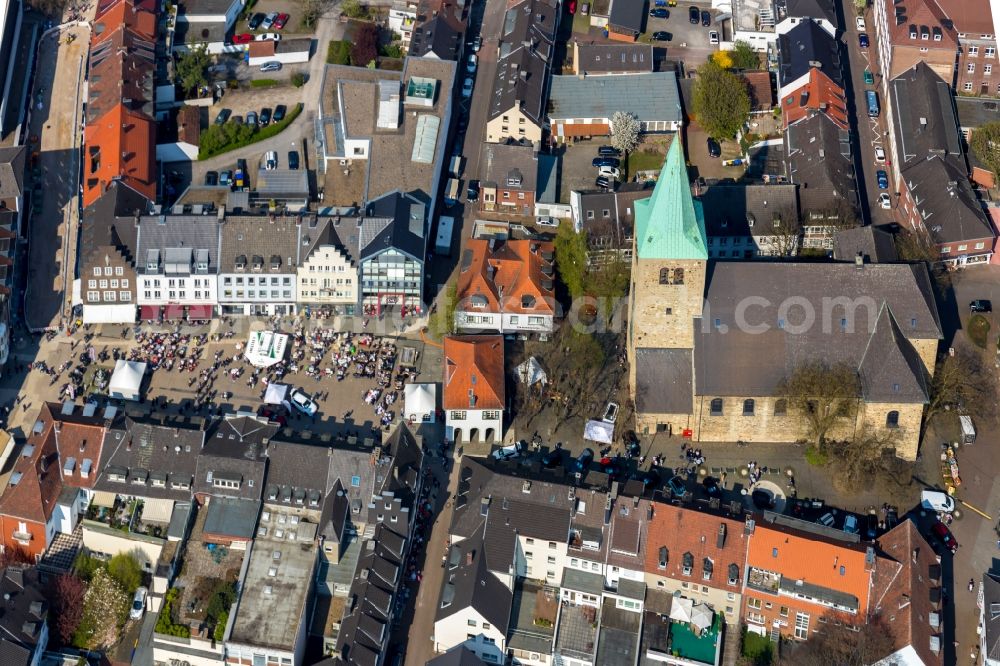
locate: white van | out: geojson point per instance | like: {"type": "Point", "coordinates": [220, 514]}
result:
{"type": "Point", "coordinates": [968, 429]}
{"type": "Point", "coordinates": [935, 500]}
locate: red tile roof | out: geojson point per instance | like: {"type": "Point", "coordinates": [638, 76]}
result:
{"type": "Point", "coordinates": [473, 366]}
{"type": "Point", "coordinates": [34, 484]}
{"type": "Point", "coordinates": [138, 15]}
{"type": "Point", "coordinates": [79, 441]}
{"type": "Point", "coordinates": [920, 14]}
{"type": "Point", "coordinates": [120, 144]}
{"type": "Point", "coordinates": [820, 94]}
{"type": "Point", "coordinates": [761, 90]}
{"type": "Point", "coordinates": [680, 531]}
{"type": "Point", "coordinates": [262, 49]}
{"type": "Point", "coordinates": [514, 269]}
{"type": "Point", "coordinates": [907, 590]}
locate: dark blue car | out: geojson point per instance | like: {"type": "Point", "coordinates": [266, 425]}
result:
{"type": "Point", "coordinates": [883, 179]}
{"type": "Point", "coordinates": [606, 161]}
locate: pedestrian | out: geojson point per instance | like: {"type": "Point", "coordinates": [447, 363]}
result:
{"type": "Point", "coordinates": [972, 584]}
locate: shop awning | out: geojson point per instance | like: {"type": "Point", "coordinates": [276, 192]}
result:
{"type": "Point", "coordinates": [104, 498]}
{"type": "Point", "coordinates": [199, 312]}
{"type": "Point", "coordinates": [173, 312]}
{"type": "Point", "coordinates": [149, 312]}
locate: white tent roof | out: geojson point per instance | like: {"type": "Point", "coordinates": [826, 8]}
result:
{"type": "Point", "coordinates": [420, 398]}
{"type": "Point", "coordinates": [265, 348]}
{"type": "Point", "coordinates": [531, 372]}
{"type": "Point", "coordinates": [127, 377]}
{"type": "Point", "coordinates": [685, 610]}
{"type": "Point", "coordinates": [599, 431]}
{"type": "Point", "coordinates": [275, 393]}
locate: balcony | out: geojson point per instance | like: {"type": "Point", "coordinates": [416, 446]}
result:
{"type": "Point", "coordinates": [125, 516]}
{"type": "Point", "coordinates": [764, 581]}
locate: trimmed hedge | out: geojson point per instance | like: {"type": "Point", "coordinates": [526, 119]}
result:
{"type": "Point", "coordinates": [165, 622]}
{"type": "Point", "coordinates": [219, 139]}
{"type": "Point", "coordinates": [263, 83]}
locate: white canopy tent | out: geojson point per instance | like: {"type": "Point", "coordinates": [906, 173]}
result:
{"type": "Point", "coordinates": [691, 612]}
{"type": "Point", "coordinates": [531, 372]}
{"type": "Point", "coordinates": [265, 348]}
{"type": "Point", "coordinates": [275, 393]}
{"type": "Point", "coordinates": [126, 380]}
{"type": "Point", "coordinates": [419, 402]}
{"type": "Point", "coordinates": [599, 431]}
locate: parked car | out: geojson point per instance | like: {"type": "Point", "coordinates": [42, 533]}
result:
{"type": "Point", "coordinates": [273, 415]}
{"type": "Point", "coordinates": [472, 190]}
{"type": "Point", "coordinates": [477, 43]}
{"type": "Point", "coordinates": [270, 160]}
{"type": "Point", "coordinates": [467, 87]}
{"type": "Point", "coordinates": [871, 526]}
{"type": "Point", "coordinates": [935, 500]}
{"type": "Point", "coordinates": [762, 500]}
{"type": "Point", "coordinates": [242, 38]}
{"type": "Point", "coordinates": [883, 179]}
{"type": "Point", "coordinates": [981, 305]}
{"type": "Point", "coordinates": [662, 36]}
{"type": "Point", "coordinates": [553, 457]}
{"type": "Point", "coordinates": [303, 402]}
{"type": "Point", "coordinates": [944, 535]}
{"type": "Point", "coordinates": [223, 116]}
{"type": "Point", "coordinates": [252, 118]}
{"type": "Point", "coordinates": [659, 12]}
{"type": "Point", "coordinates": [265, 116]}
{"type": "Point", "coordinates": [714, 149]}
{"type": "Point", "coordinates": [138, 604]}
{"type": "Point", "coordinates": [279, 113]}
{"type": "Point", "coordinates": [515, 450]}
{"type": "Point", "coordinates": [470, 64]}
{"type": "Point", "coordinates": [211, 178]}
{"type": "Point", "coordinates": [610, 172]}
{"type": "Point", "coordinates": [280, 21]}
{"type": "Point", "coordinates": [711, 485]}
{"type": "Point", "coordinates": [267, 37]}
{"type": "Point", "coordinates": [254, 21]}
{"type": "Point", "coordinates": [609, 151]}
{"type": "Point", "coordinates": [268, 21]}
{"type": "Point", "coordinates": [271, 66]}
{"type": "Point", "coordinates": [677, 485]}
{"type": "Point", "coordinates": [610, 413]}
{"type": "Point", "coordinates": [869, 78]}
{"type": "Point", "coordinates": [826, 520]}
{"type": "Point", "coordinates": [860, 22]}
{"type": "Point", "coordinates": [694, 15]}
{"type": "Point", "coordinates": [706, 18]}
{"type": "Point", "coordinates": [241, 165]}
{"type": "Point", "coordinates": [605, 162]}
{"type": "Point", "coordinates": [851, 524]}
{"type": "Point", "coordinates": [603, 182]}
{"type": "Point", "coordinates": [863, 40]}
{"type": "Point", "coordinates": [226, 178]}
{"type": "Point", "coordinates": [884, 201]}
{"type": "Point", "coordinates": [880, 155]}
{"type": "Point", "coordinates": [713, 37]}
{"type": "Point", "coordinates": [293, 159]}
{"type": "Point", "coordinates": [582, 462]}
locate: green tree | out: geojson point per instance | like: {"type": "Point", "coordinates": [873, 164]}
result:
{"type": "Point", "coordinates": [442, 322]}
{"type": "Point", "coordinates": [721, 101]}
{"type": "Point", "coordinates": [609, 282]}
{"type": "Point", "coordinates": [824, 394]}
{"type": "Point", "coordinates": [298, 79]}
{"type": "Point", "coordinates": [190, 71]}
{"type": "Point", "coordinates": [985, 144]}
{"type": "Point", "coordinates": [125, 568]}
{"type": "Point", "coordinates": [85, 565]}
{"type": "Point", "coordinates": [571, 259]}
{"type": "Point", "coordinates": [338, 52]}
{"type": "Point", "coordinates": [743, 56]}
{"type": "Point", "coordinates": [353, 9]}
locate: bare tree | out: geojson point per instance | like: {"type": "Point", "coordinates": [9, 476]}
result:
{"type": "Point", "coordinates": [856, 463]}
{"type": "Point", "coordinates": [841, 642]}
{"type": "Point", "coordinates": [963, 382]}
{"type": "Point", "coordinates": [785, 232]}
{"type": "Point", "coordinates": [824, 394]}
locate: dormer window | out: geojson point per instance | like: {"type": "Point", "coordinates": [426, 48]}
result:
{"type": "Point", "coordinates": [662, 564]}
{"type": "Point", "coordinates": [275, 262]}
{"type": "Point", "coordinates": [241, 262]}
{"type": "Point", "coordinates": [687, 566]}
{"type": "Point", "coordinates": [478, 301]}
{"type": "Point", "coordinates": [706, 569]}
{"type": "Point", "coordinates": [258, 262]}
{"type": "Point", "coordinates": [527, 301]}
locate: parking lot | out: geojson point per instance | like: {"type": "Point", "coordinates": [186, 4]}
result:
{"type": "Point", "coordinates": [706, 165]}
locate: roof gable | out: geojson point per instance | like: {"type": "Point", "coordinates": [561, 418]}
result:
{"type": "Point", "coordinates": [474, 372]}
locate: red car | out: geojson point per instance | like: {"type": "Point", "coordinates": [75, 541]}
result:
{"type": "Point", "coordinates": [945, 536]}
{"type": "Point", "coordinates": [244, 38]}
{"type": "Point", "coordinates": [280, 21]}
{"type": "Point", "coordinates": [572, 6]}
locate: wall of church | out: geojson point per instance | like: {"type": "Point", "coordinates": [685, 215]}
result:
{"type": "Point", "coordinates": [665, 302]}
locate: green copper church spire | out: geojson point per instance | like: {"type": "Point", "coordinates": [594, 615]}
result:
{"type": "Point", "coordinates": [669, 225]}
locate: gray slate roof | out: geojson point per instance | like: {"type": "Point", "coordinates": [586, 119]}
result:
{"type": "Point", "coordinates": [664, 381]}
{"type": "Point", "coordinates": [507, 161]}
{"type": "Point", "coordinates": [652, 96]}
{"type": "Point", "coordinates": [818, 160]}
{"type": "Point", "coordinates": [522, 71]}
{"type": "Point", "coordinates": [947, 203]}
{"type": "Point", "coordinates": [197, 233]}
{"type": "Point", "coordinates": [339, 232]}
{"type": "Point", "coordinates": [468, 583]}
{"type": "Point", "coordinates": [991, 612]}
{"type": "Point", "coordinates": [397, 220]}
{"type": "Point", "coordinates": [438, 36]}
{"type": "Point", "coordinates": [273, 239]}
{"type": "Point", "coordinates": [729, 209]}
{"type": "Point", "coordinates": [139, 448]}
{"type": "Point", "coordinates": [926, 121]}
{"type": "Point", "coordinates": [872, 243]}
{"type": "Point", "coordinates": [232, 517]}
{"type": "Point", "coordinates": [614, 58]}
{"type": "Point", "coordinates": [627, 14]}
{"type": "Point", "coordinates": [111, 221]}
{"type": "Point", "coordinates": [814, 9]}
{"type": "Point", "coordinates": [235, 449]}
{"type": "Point", "coordinates": [12, 171]}
{"type": "Point", "coordinates": [731, 362]}
{"type": "Point", "coordinates": [460, 656]}
{"type": "Point", "coordinates": [616, 229]}
{"type": "Point", "coordinates": [282, 182]}
{"type": "Point", "coordinates": [806, 46]}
